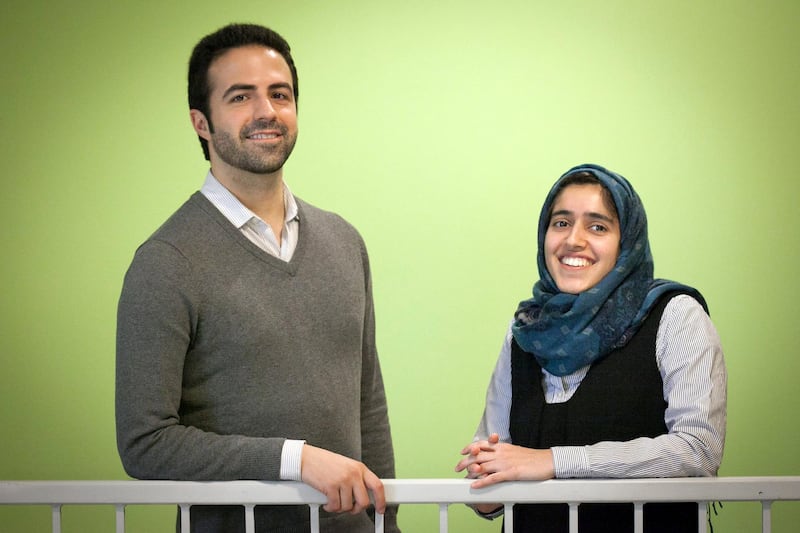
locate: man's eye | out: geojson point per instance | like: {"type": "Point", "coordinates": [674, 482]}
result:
{"type": "Point", "coordinates": [239, 98]}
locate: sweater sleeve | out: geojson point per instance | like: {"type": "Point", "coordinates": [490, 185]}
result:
{"type": "Point", "coordinates": [156, 318]}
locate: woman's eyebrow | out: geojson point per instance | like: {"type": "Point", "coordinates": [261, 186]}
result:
{"type": "Point", "coordinates": [591, 214]}
{"type": "Point", "coordinates": [601, 216]}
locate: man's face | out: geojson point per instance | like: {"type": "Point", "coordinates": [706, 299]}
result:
{"type": "Point", "coordinates": [252, 125]}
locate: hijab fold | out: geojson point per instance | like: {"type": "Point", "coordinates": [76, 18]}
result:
{"type": "Point", "coordinates": [568, 331]}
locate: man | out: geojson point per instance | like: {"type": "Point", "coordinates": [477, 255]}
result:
{"type": "Point", "coordinates": [245, 338]}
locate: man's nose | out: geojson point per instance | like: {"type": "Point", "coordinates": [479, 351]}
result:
{"type": "Point", "coordinates": [264, 109]}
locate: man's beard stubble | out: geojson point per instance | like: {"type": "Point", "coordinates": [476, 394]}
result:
{"type": "Point", "coordinates": [257, 160]}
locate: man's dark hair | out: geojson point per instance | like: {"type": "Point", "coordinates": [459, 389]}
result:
{"type": "Point", "coordinates": [215, 44]}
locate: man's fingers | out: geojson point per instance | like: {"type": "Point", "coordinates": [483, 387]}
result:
{"type": "Point", "coordinates": [346, 499]}
{"type": "Point", "coordinates": [374, 484]}
{"type": "Point", "coordinates": [346, 483]}
{"type": "Point", "coordinates": [334, 500]}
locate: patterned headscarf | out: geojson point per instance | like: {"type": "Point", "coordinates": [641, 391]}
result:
{"type": "Point", "coordinates": [568, 331]}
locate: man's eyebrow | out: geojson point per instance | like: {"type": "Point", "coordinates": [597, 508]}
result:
{"type": "Point", "coordinates": [238, 87]}
{"type": "Point", "coordinates": [248, 87]}
{"type": "Point", "coordinates": [281, 85]}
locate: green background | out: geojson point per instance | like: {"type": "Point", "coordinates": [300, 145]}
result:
{"type": "Point", "coordinates": [436, 128]}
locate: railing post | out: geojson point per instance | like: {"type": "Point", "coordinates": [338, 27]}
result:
{"type": "Point", "coordinates": [56, 518]}
{"type": "Point", "coordinates": [638, 517]}
{"type": "Point", "coordinates": [702, 516]}
{"type": "Point", "coordinates": [249, 519]}
{"type": "Point", "coordinates": [508, 518]}
{"type": "Point", "coordinates": [313, 510]}
{"type": "Point", "coordinates": [766, 517]}
{"type": "Point", "coordinates": [443, 527]}
{"type": "Point", "coordinates": [573, 517]}
{"type": "Point", "coordinates": [120, 514]}
{"type": "Point", "coordinates": [185, 518]}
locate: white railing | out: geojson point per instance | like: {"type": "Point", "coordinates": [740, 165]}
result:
{"type": "Point", "coordinates": [442, 492]}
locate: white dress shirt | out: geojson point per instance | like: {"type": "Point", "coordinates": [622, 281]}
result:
{"type": "Point", "coordinates": [253, 227]}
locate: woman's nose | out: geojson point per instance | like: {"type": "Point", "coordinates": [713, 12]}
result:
{"type": "Point", "coordinates": [576, 237]}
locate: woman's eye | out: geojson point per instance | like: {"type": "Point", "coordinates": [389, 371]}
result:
{"type": "Point", "coordinates": [560, 224]}
{"type": "Point", "coordinates": [598, 228]}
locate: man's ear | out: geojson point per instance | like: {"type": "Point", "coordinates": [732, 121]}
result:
{"type": "Point", "coordinates": [200, 124]}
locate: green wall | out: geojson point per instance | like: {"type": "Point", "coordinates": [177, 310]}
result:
{"type": "Point", "coordinates": [436, 128]}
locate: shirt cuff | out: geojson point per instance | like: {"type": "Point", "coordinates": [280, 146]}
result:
{"type": "Point", "coordinates": [490, 516]}
{"type": "Point", "coordinates": [571, 462]}
{"type": "Point", "coordinates": [291, 460]}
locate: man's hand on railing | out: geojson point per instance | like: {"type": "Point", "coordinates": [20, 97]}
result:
{"type": "Point", "coordinates": [490, 461]}
{"type": "Point", "coordinates": [344, 481]}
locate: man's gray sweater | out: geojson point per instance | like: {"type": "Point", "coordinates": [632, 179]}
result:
{"type": "Point", "coordinates": [224, 351]}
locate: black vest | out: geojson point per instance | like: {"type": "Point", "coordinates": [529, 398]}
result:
{"type": "Point", "coordinates": [621, 398]}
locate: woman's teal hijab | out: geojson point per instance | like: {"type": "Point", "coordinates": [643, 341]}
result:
{"type": "Point", "coordinates": [568, 331]}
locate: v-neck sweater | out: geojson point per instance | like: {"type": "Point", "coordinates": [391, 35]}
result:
{"type": "Point", "coordinates": [224, 351]}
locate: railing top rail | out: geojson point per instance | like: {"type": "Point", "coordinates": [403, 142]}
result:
{"type": "Point", "coordinates": [400, 491]}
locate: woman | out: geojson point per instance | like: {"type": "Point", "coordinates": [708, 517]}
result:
{"type": "Point", "coordinates": [605, 372]}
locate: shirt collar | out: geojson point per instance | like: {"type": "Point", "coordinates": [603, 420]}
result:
{"type": "Point", "coordinates": [234, 210]}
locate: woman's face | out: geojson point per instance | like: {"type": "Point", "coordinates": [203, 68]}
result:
{"type": "Point", "coordinates": [581, 244]}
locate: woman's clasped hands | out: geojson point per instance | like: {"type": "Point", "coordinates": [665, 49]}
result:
{"type": "Point", "coordinates": [491, 461]}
